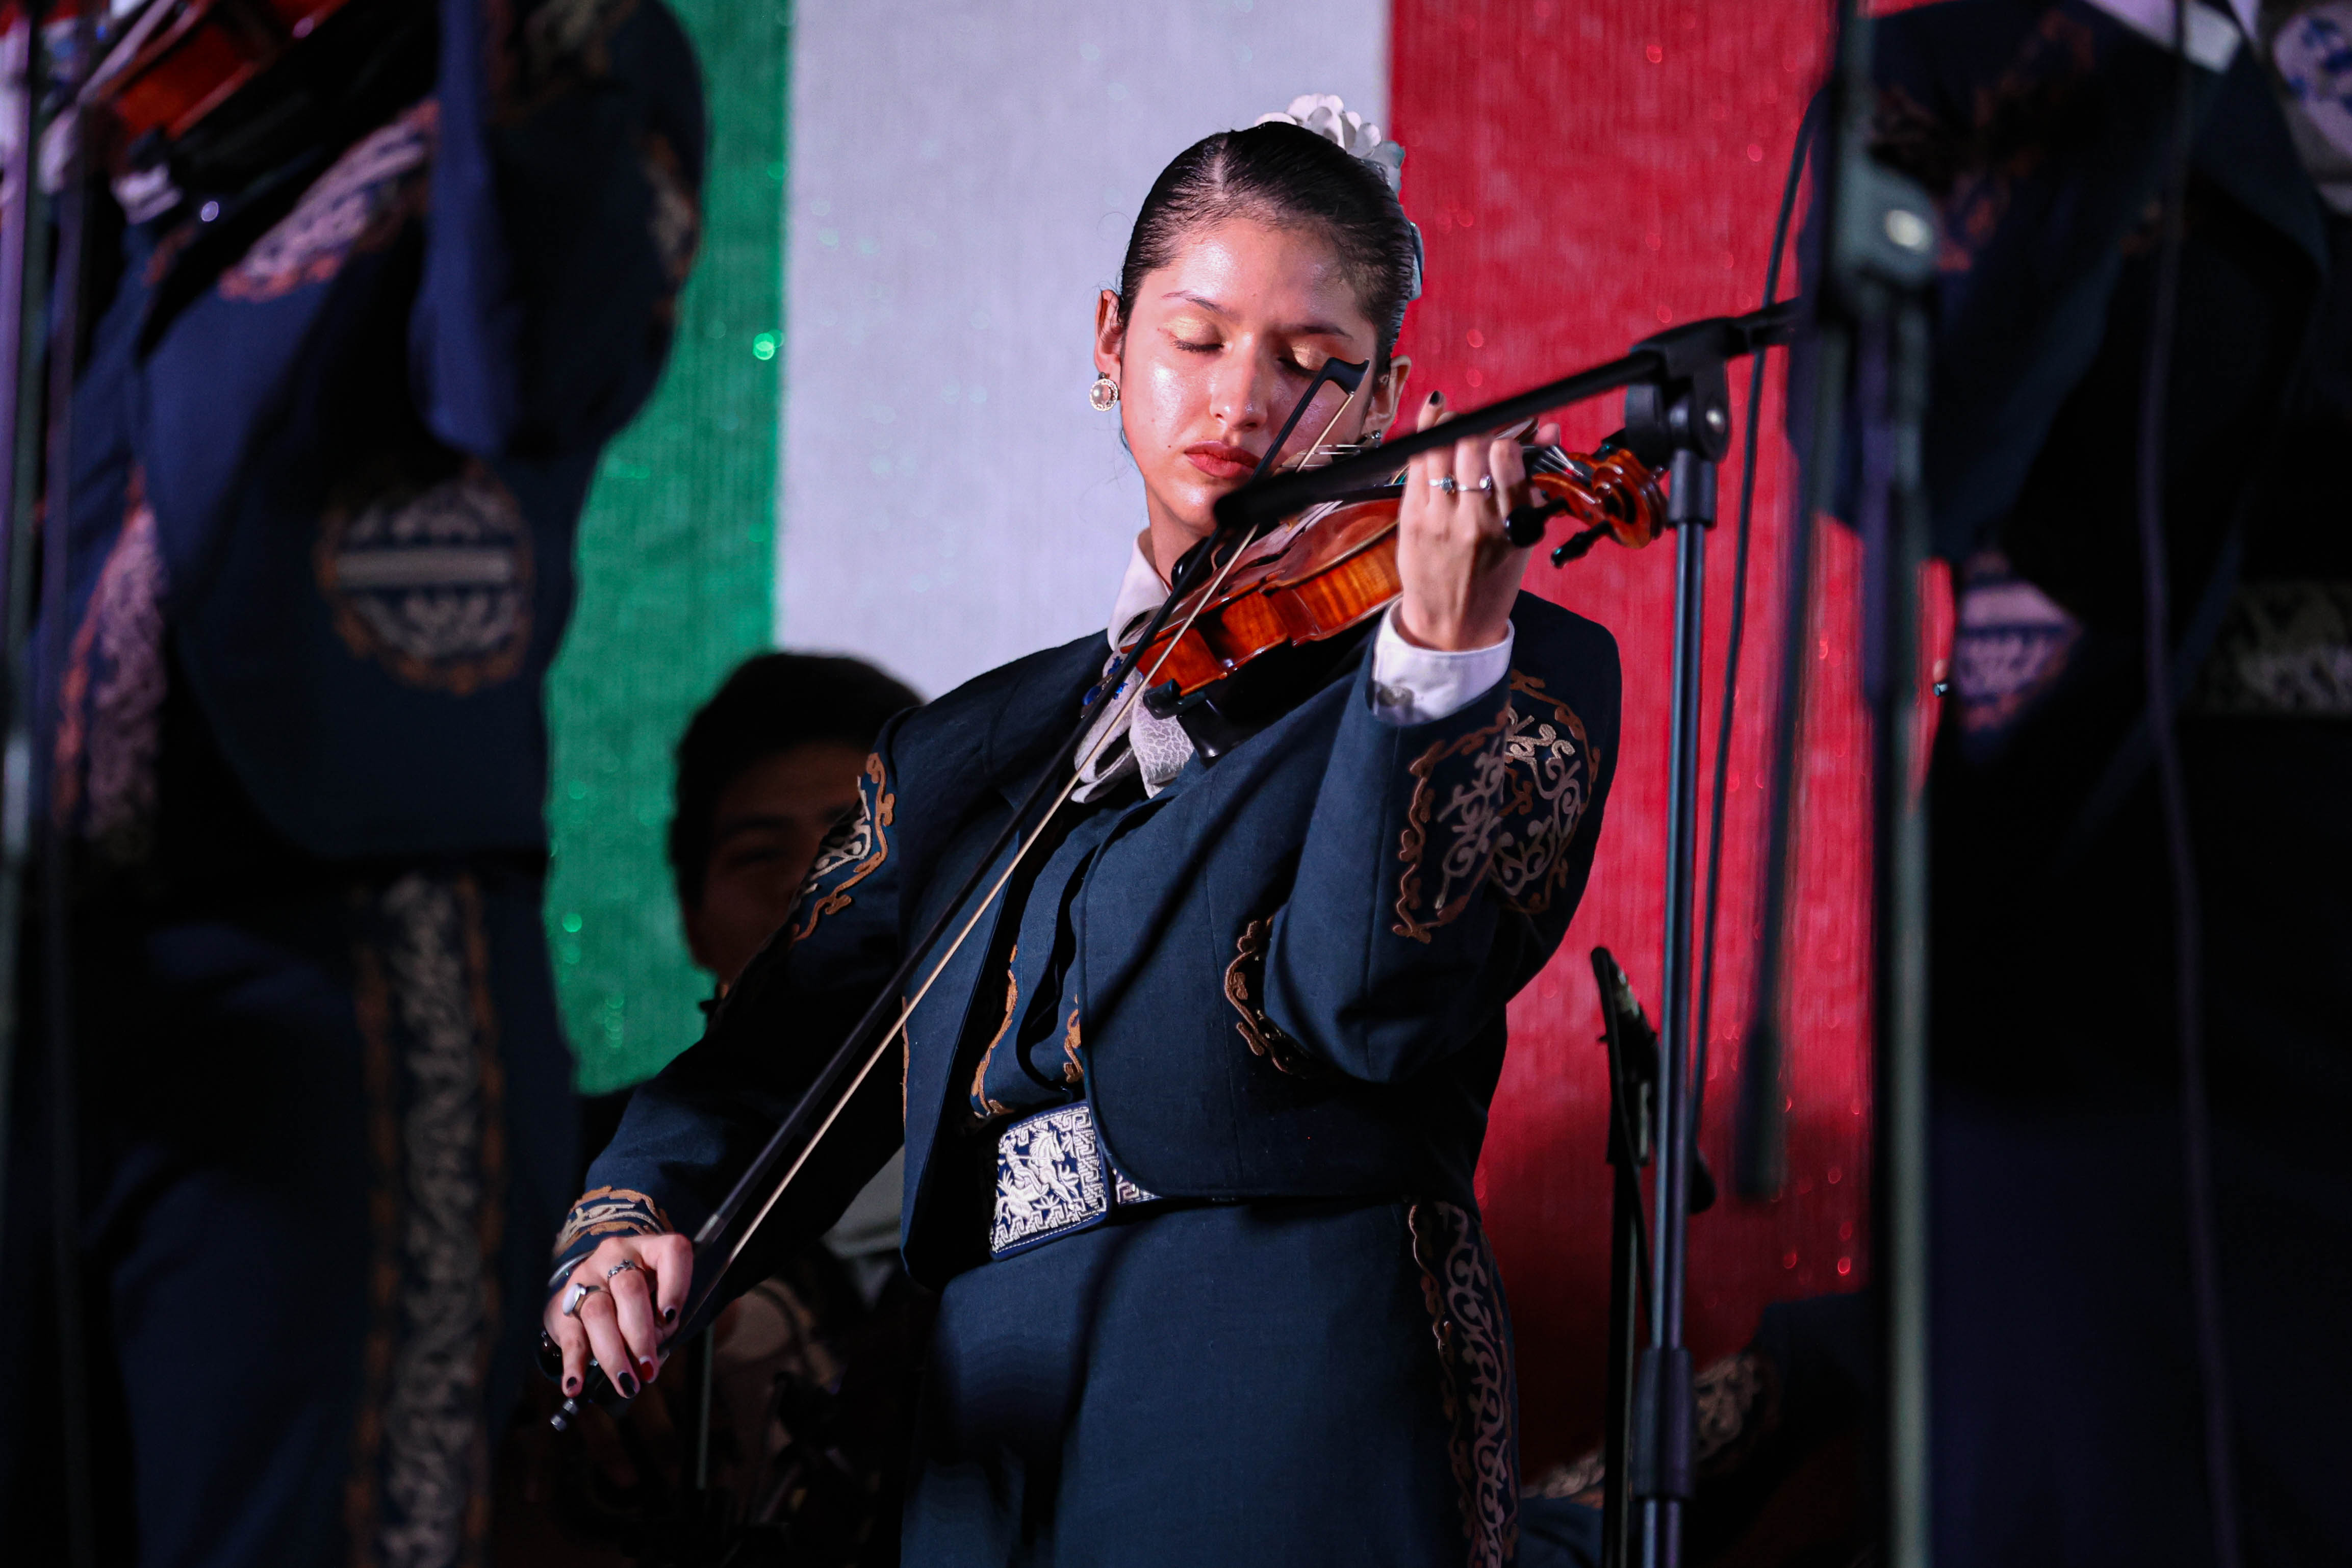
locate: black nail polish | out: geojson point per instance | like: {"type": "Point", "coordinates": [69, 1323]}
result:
{"type": "Point", "coordinates": [669, 1314]}
{"type": "Point", "coordinates": [628, 1386]}
{"type": "Point", "coordinates": [571, 1385]}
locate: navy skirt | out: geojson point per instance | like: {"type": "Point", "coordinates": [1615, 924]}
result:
{"type": "Point", "coordinates": [1293, 1383]}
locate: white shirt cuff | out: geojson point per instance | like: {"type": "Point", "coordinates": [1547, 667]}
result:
{"type": "Point", "coordinates": [1415, 685]}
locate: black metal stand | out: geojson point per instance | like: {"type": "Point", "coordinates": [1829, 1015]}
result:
{"type": "Point", "coordinates": [1870, 362]}
{"type": "Point", "coordinates": [40, 338]}
{"type": "Point", "coordinates": [1681, 420]}
{"type": "Point", "coordinates": [22, 278]}
{"type": "Point", "coordinates": [1633, 1090]}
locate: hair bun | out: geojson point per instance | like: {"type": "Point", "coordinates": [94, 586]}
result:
{"type": "Point", "coordinates": [1324, 114]}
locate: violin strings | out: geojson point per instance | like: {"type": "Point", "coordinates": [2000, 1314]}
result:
{"type": "Point", "coordinates": [1316, 445]}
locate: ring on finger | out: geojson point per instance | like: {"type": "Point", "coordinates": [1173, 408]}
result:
{"type": "Point", "coordinates": [1486, 485]}
{"type": "Point", "coordinates": [578, 1294]}
{"type": "Point", "coordinates": [622, 1267]}
{"type": "Point", "coordinates": [1445, 482]}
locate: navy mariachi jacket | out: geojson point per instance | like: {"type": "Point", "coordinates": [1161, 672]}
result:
{"type": "Point", "coordinates": [1285, 976]}
{"type": "Point", "coordinates": [333, 435]}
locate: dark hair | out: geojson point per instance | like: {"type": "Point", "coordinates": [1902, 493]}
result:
{"type": "Point", "coordinates": [1285, 174]}
{"type": "Point", "coordinates": [772, 704]}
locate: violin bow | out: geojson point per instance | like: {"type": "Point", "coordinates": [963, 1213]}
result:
{"type": "Point", "coordinates": [724, 1236]}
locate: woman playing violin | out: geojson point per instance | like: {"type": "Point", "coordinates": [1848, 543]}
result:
{"type": "Point", "coordinates": [1191, 1116]}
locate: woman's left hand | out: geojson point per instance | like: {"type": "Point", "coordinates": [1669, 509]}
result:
{"type": "Point", "coordinates": [1460, 575]}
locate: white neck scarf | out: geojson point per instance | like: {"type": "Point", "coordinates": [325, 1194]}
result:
{"type": "Point", "coordinates": [1154, 749]}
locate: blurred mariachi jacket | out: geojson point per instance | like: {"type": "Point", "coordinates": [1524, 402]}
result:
{"type": "Point", "coordinates": [2040, 130]}
{"type": "Point", "coordinates": [330, 479]}
{"type": "Point", "coordinates": [1285, 974]}
{"type": "Point", "coordinates": [2043, 130]}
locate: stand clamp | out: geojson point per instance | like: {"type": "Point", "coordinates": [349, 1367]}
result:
{"type": "Point", "coordinates": [1677, 416]}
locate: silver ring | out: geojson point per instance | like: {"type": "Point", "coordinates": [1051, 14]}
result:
{"type": "Point", "coordinates": [1486, 486]}
{"type": "Point", "coordinates": [623, 1264]}
{"type": "Point", "coordinates": [579, 1294]}
{"type": "Point", "coordinates": [1445, 482]}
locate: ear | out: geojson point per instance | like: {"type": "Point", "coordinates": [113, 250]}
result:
{"type": "Point", "coordinates": [1110, 334]}
{"type": "Point", "coordinates": [1388, 396]}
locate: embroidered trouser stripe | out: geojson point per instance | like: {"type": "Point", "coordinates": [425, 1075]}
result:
{"type": "Point", "coordinates": [419, 1490]}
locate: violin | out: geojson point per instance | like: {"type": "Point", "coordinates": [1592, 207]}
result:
{"type": "Point", "coordinates": [212, 92]}
{"type": "Point", "coordinates": [1334, 567]}
{"type": "Point", "coordinates": [181, 60]}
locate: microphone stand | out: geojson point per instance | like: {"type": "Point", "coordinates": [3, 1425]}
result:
{"type": "Point", "coordinates": [21, 281]}
{"type": "Point", "coordinates": [1632, 1047]}
{"type": "Point", "coordinates": [40, 296]}
{"type": "Point", "coordinates": [1687, 419]}
{"type": "Point", "coordinates": [1870, 336]}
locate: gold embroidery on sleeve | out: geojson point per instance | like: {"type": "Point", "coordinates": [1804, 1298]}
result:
{"type": "Point", "coordinates": [611, 1211]}
{"type": "Point", "coordinates": [1554, 759]}
{"type": "Point", "coordinates": [1510, 824]}
{"type": "Point", "coordinates": [860, 842]}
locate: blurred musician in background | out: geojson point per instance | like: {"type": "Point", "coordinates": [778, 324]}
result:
{"type": "Point", "coordinates": [766, 769]}
{"type": "Point", "coordinates": [356, 338]}
{"type": "Point", "coordinates": [816, 1364]}
{"type": "Point", "coordinates": [812, 1385]}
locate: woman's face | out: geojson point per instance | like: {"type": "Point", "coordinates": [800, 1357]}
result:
{"type": "Point", "coordinates": [1221, 342]}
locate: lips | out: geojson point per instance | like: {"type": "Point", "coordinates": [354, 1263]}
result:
{"type": "Point", "coordinates": [1219, 461]}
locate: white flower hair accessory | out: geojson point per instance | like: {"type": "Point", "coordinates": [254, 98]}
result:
{"type": "Point", "coordinates": [1324, 114]}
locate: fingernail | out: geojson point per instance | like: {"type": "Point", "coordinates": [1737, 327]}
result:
{"type": "Point", "coordinates": [669, 1314]}
{"type": "Point", "coordinates": [628, 1386]}
{"type": "Point", "coordinates": [571, 1385]}
{"type": "Point", "coordinates": [646, 1369]}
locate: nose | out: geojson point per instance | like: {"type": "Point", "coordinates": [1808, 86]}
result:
{"type": "Point", "coordinates": [1243, 388]}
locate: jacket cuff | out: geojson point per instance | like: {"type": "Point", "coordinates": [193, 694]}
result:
{"type": "Point", "coordinates": [1413, 685]}
{"type": "Point", "coordinates": [601, 1212]}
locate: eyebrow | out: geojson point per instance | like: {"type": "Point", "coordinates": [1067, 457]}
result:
{"type": "Point", "coordinates": [1300, 330]}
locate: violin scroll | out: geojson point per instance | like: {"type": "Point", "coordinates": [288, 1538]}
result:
{"type": "Point", "coordinates": [1612, 493]}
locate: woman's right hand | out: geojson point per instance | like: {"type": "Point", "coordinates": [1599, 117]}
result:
{"type": "Point", "coordinates": [626, 1321]}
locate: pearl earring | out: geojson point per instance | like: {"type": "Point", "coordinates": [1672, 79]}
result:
{"type": "Point", "coordinates": [1104, 393]}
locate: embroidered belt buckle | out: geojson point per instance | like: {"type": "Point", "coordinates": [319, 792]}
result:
{"type": "Point", "coordinates": [1053, 1180]}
